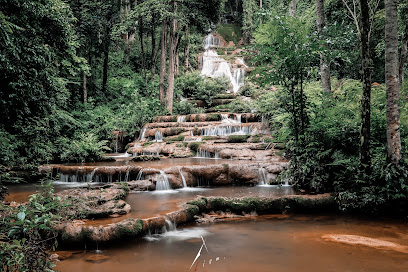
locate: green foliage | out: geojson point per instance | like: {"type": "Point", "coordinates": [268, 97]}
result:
{"type": "Point", "coordinates": [198, 87]}
{"type": "Point", "coordinates": [240, 105]}
{"type": "Point", "coordinates": [230, 32]}
{"type": "Point", "coordinates": [27, 232]}
{"type": "Point", "coordinates": [194, 146]}
{"type": "Point", "coordinates": [86, 148]}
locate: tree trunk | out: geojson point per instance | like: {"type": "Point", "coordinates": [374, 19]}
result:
{"type": "Point", "coordinates": [163, 59]}
{"type": "Point", "coordinates": [105, 69]}
{"type": "Point", "coordinates": [324, 63]}
{"type": "Point", "coordinates": [153, 33]}
{"type": "Point", "coordinates": [142, 48]}
{"type": "Point", "coordinates": [172, 61]}
{"type": "Point", "coordinates": [292, 8]}
{"type": "Point", "coordinates": [403, 54]}
{"type": "Point", "coordinates": [260, 7]}
{"type": "Point", "coordinates": [365, 159]}
{"type": "Point", "coordinates": [187, 49]}
{"type": "Point", "coordinates": [84, 87]}
{"type": "Point", "coordinates": [392, 82]}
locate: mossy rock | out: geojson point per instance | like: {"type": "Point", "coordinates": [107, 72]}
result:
{"type": "Point", "coordinates": [179, 138]}
{"type": "Point", "coordinates": [194, 146]}
{"type": "Point", "coordinates": [176, 131]}
{"type": "Point", "coordinates": [147, 144]}
{"type": "Point", "coordinates": [146, 158]}
{"type": "Point", "coordinates": [238, 138]}
{"type": "Point", "coordinates": [213, 117]}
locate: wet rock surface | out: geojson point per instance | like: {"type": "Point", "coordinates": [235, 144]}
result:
{"type": "Point", "coordinates": [96, 202]}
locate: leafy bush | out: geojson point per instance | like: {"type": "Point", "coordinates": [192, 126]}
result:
{"type": "Point", "coordinates": [198, 87]}
{"type": "Point", "coordinates": [241, 106]}
{"type": "Point", "coordinates": [27, 233]}
{"type": "Point", "coordinates": [85, 149]}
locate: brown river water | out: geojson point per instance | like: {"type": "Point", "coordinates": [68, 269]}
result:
{"type": "Point", "coordinates": [268, 243]}
{"type": "Point", "coordinates": [264, 243]}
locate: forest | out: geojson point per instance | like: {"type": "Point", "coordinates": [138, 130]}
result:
{"type": "Point", "coordinates": [329, 78]}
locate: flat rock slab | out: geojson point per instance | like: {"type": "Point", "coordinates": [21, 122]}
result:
{"type": "Point", "coordinates": [97, 258]}
{"type": "Point", "coordinates": [365, 241]}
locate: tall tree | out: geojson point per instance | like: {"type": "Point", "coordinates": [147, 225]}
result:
{"type": "Point", "coordinates": [392, 82]}
{"type": "Point", "coordinates": [163, 59]}
{"type": "Point", "coordinates": [404, 50]}
{"type": "Point", "coordinates": [172, 59]}
{"type": "Point", "coordinates": [365, 158]}
{"type": "Point", "coordinates": [324, 63]}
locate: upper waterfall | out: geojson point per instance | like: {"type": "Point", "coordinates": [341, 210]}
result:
{"type": "Point", "coordinates": [215, 66]}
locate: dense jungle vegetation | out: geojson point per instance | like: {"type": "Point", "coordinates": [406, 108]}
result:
{"type": "Point", "coordinates": [329, 76]}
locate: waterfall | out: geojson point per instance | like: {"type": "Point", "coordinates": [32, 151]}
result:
{"type": "Point", "coordinates": [214, 66]}
{"type": "Point", "coordinates": [262, 175]}
{"type": "Point", "coordinates": [86, 178]}
{"type": "Point", "coordinates": [116, 145]}
{"type": "Point", "coordinates": [224, 116]}
{"type": "Point", "coordinates": [162, 182]}
{"type": "Point", "coordinates": [238, 79]}
{"type": "Point", "coordinates": [211, 41]}
{"type": "Point", "coordinates": [207, 154]}
{"type": "Point", "coordinates": [142, 134]}
{"type": "Point", "coordinates": [226, 130]}
{"type": "Point", "coordinates": [182, 178]}
{"type": "Point", "coordinates": [181, 119]}
{"type": "Point", "coordinates": [139, 175]}
{"type": "Point", "coordinates": [170, 225]}
{"type": "Point", "coordinates": [127, 175]}
{"type": "Point", "coordinates": [158, 137]}
{"type": "Point", "coordinates": [238, 118]}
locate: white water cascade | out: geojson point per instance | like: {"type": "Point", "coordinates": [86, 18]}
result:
{"type": "Point", "coordinates": [181, 119]}
{"type": "Point", "coordinates": [139, 175]}
{"type": "Point", "coordinates": [214, 66]}
{"type": "Point", "coordinates": [158, 137]}
{"type": "Point", "coordinates": [262, 175]}
{"type": "Point", "coordinates": [142, 134]}
{"type": "Point", "coordinates": [162, 183]}
{"type": "Point", "coordinates": [207, 154]}
{"type": "Point", "coordinates": [182, 178]}
{"type": "Point", "coordinates": [226, 130]}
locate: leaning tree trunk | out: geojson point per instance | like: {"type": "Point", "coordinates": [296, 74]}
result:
{"type": "Point", "coordinates": [392, 82]}
{"type": "Point", "coordinates": [403, 57]}
{"type": "Point", "coordinates": [324, 63]}
{"type": "Point", "coordinates": [292, 8]}
{"type": "Point", "coordinates": [365, 159]}
{"type": "Point", "coordinates": [163, 58]}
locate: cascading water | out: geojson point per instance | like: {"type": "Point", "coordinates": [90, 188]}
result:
{"type": "Point", "coordinates": [142, 134]}
{"type": "Point", "coordinates": [162, 183]}
{"type": "Point", "coordinates": [201, 153]}
{"type": "Point", "coordinates": [158, 137]}
{"type": "Point", "coordinates": [214, 66]}
{"type": "Point", "coordinates": [86, 178]}
{"type": "Point", "coordinates": [182, 178]}
{"type": "Point", "coordinates": [181, 119]}
{"type": "Point", "coordinates": [139, 175]}
{"type": "Point", "coordinates": [238, 118]}
{"type": "Point", "coordinates": [262, 175]}
{"type": "Point", "coordinates": [226, 130]}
